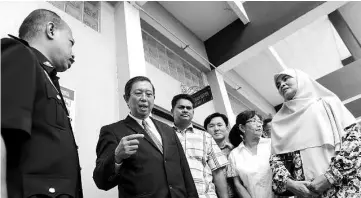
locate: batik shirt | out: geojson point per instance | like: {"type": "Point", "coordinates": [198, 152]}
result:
{"type": "Point", "coordinates": [344, 172]}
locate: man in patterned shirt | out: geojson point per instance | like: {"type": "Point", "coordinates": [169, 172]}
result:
{"type": "Point", "coordinates": [216, 124]}
{"type": "Point", "coordinates": [205, 159]}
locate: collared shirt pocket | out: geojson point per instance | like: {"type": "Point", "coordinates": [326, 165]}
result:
{"type": "Point", "coordinates": [55, 114]}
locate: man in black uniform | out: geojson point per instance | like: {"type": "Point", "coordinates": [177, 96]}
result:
{"type": "Point", "coordinates": [42, 158]}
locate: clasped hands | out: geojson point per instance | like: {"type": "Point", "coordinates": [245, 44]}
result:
{"type": "Point", "coordinates": [312, 188]}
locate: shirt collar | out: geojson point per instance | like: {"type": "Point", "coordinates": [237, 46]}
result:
{"type": "Point", "coordinates": [148, 120]}
{"type": "Point", "coordinates": [241, 145]}
{"type": "Point", "coordinates": [226, 144]}
{"type": "Point", "coordinates": [45, 63]}
{"type": "Point", "coordinates": [261, 141]}
{"type": "Point", "coordinates": [19, 39]}
{"type": "Point", "coordinates": [190, 128]}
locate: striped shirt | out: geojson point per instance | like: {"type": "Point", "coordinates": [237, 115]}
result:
{"type": "Point", "coordinates": [204, 156]}
{"type": "Point", "coordinates": [226, 148]}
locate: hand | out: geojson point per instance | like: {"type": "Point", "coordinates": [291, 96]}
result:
{"type": "Point", "coordinates": [319, 184]}
{"type": "Point", "coordinates": [300, 188]}
{"type": "Point", "coordinates": [127, 146]}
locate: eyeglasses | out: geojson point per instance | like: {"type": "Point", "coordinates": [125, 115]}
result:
{"type": "Point", "coordinates": [254, 121]}
{"type": "Point", "coordinates": [141, 93]}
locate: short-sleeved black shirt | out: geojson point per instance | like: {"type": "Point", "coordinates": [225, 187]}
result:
{"type": "Point", "coordinates": [34, 119]}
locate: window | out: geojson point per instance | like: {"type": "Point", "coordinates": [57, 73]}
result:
{"type": "Point", "coordinates": [87, 12]}
{"type": "Point", "coordinates": [158, 55]}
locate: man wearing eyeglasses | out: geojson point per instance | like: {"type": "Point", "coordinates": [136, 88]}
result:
{"type": "Point", "coordinates": [141, 155]}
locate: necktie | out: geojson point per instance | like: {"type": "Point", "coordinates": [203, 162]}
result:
{"type": "Point", "coordinates": [152, 136]}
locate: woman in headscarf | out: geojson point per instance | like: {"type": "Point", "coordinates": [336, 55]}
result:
{"type": "Point", "coordinates": [316, 138]}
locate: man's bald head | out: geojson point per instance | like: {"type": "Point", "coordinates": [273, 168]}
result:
{"type": "Point", "coordinates": [36, 22]}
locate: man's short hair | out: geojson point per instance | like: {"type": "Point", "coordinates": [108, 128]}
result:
{"type": "Point", "coordinates": [182, 96]}
{"type": "Point", "coordinates": [36, 22]}
{"type": "Point", "coordinates": [215, 115]}
{"type": "Point", "coordinates": [131, 82]}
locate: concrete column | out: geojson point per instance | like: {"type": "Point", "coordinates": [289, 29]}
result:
{"type": "Point", "coordinates": [129, 48]}
{"type": "Point", "coordinates": [346, 33]}
{"type": "Point", "coordinates": [220, 96]}
{"type": "Point", "coordinates": [351, 15]}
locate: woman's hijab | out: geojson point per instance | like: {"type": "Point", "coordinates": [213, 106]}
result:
{"type": "Point", "coordinates": [313, 118]}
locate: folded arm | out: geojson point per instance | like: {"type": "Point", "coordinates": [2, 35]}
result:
{"type": "Point", "coordinates": [347, 161]}
{"type": "Point", "coordinates": [280, 174]}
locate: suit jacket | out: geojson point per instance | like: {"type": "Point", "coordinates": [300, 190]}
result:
{"type": "Point", "coordinates": [147, 173]}
{"type": "Point", "coordinates": [42, 156]}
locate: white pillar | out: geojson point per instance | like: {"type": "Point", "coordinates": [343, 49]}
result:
{"type": "Point", "coordinates": [220, 96]}
{"type": "Point", "coordinates": [129, 49]}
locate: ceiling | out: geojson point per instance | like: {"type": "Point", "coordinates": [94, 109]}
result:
{"type": "Point", "coordinates": [203, 18]}
{"type": "Point", "coordinates": [315, 49]}
{"type": "Point", "coordinates": [309, 43]}
{"type": "Point", "coordinates": [257, 72]}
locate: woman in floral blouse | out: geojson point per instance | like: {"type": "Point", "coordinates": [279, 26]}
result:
{"type": "Point", "coordinates": [316, 143]}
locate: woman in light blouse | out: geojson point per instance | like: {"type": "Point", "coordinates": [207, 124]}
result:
{"type": "Point", "coordinates": [249, 161]}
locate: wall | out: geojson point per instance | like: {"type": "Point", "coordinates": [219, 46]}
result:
{"type": "Point", "coordinates": [247, 94]}
{"type": "Point", "coordinates": [166, 87]}
{"type": "Point", "coordinates": [169, 21]}
{"type": "Point", "coordinates": [93, 77]}
{"type": "Point", "coordinates": [237, 105]}
{"type": "Point", "coordinates": [173, 86]}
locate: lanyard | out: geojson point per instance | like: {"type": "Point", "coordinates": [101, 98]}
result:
{"type": "Point", "coordinates": [47, 75]}
{"type": "Point", "coordinates": [59, 96]}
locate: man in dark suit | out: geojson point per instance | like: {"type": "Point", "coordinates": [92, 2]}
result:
{"type": "Point", "coordinates": [42, 158]}
{"type": "Point", "coordinates": [141, 155]}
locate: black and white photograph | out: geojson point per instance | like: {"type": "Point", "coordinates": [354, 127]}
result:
{"type": "Point", "coordinates": [180, 99]}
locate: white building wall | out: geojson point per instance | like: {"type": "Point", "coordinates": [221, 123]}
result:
{"type": "Point", "coordinates": [169, 21]}
{"type": "Point", "coordinates": [166, 87]}
{"type": "Point", "coordinates": [248, 95]}
{"type": "Point", "coordinates": [93, 77]}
